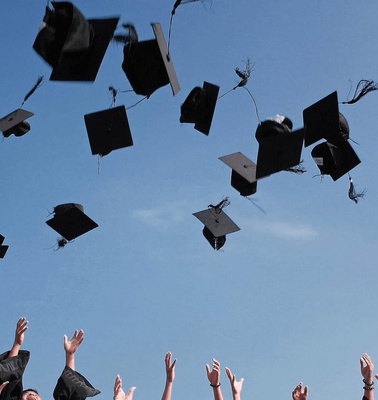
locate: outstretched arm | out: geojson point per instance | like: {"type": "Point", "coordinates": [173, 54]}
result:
{"type": "Point", "coordinates": [213, 375]}
{"type": "Point", "coordinates": [170, 371]}
{"type": "Point", "coordinates": [70, 347]}
{"type": "Point", "coordinates": [367, 368]}
{"type": "Point", "coordinates": [119, 394]}
{"type": "Point", "coordinates": [298, 393]}
{"type": "Point", "coordinates": [21, 327]}
{"type": "Point", "coordinates": [236, 386]}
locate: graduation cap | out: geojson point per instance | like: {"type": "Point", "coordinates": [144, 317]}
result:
{"type": "Point", "coordinates": [280, 148]}
{"type": "Point", "coordinates": [14, 123]}
{"type": "Point", "coordinates": [108, 130]}
{"type": "Point", "coordinates": [322, 120]}
{"type": "Point", "coordinates": [335, 159]}
{"type": "Point", "coordinates": [3, 247]}
{"type": "Point", "coordinates": [70, 221]}
{"type": "Point", "coordinates": [243, 175]}
{"type": "Point", "coordinates": [217, 225]}
{"type": "Point", "coordinates": [199, 106]}
{"type": "Point", "coordinates": [71, 44]}
{"type": "Point", "coordinates": [148, 65]}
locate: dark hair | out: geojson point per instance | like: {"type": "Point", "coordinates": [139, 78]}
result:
{"type": "Point", "coordinates": [30, 390]}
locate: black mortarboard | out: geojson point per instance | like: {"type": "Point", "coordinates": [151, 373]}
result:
{"type": "Point", "coordinates": [243, 175]}
{"type": "Point", "coordinates": [335, 159]}
{"type": "Point", "coordinates": [108, 130]}
{"type": "Point", "coordinates": [323, 120]}
{"type": "Point", "coordinates": [217, 225]}
{"type": "Point", "coordinates": [148, 65]}
{"type": "Point", "coordinates": [71, 44]}
{"type": "Point", "coordinates": [3, 247]}
{"type": "Point", "coordinates": [70, 221]}
{"type": "Point", "coordinates": [14, 123]}
{"type": "Point", "coordinates": [199, 106]}
{"type": "Point", "coordinates": [279, 147]}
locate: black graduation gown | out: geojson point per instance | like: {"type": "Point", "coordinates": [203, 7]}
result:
{"type": "Point", "coordinates": [12, 369]}
{"type": "Point", "coordinates": [73, 386]}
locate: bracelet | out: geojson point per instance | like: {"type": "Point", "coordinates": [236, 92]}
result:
{"type": "Point", "coordinates": [368, 387]}
{"type": "Point", "coordinates": [367, 384]}
{"type": "Point", "coordinates": [215, 386]}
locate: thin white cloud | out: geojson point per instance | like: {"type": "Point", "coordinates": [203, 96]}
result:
{"type": "Point", "coordinates": [287, 230]}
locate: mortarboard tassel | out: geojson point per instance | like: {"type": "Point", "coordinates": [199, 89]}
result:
{"type": "Point", "coordinates": [363, 87]}
{"type": "Point", "coordinates": [353, 195]}
{"type": "Point", "coordinates": [33, 89]}
{"type": "Point", "coordinates": [298, 169]}
{"type": "Point", "coordinates": [130, 37]}
{"type": "Point", "coordinates": [222, 204]}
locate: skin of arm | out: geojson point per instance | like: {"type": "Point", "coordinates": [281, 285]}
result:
{"type": "Point", "coordinates": [367, 368]}
{"type": "Point", "coordinates": [170, 373]}
{"type": "Point", "coordinates": [21, 327]}
{"type": "Point", "coordinates": [236, 386]}
{"type": "Point", "coordinates": [119, 394]}
{"type": "Point", "coordinates": [70, 347]}
{"type": "Point", "coordinates": [213, 375]}
{"type": "Point", "coordinates": [298, 393]}
{"type": "Point", "coordinates": [2, 386]}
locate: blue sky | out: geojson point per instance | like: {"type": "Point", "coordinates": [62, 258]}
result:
{"type": "Point", "coordinates": [290, 297]}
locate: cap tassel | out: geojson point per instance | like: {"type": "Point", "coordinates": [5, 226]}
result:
{"type": "Point", "coordinates": [222, 204]}
{"type": "Point", "coordinates": [298, 169]}
{"type": "Point", "coordinates": [353, 195]}
{"type": "Point", "coordinates": [33, 89]}
{"type": "Point", "coordinates": [363, 87]}
{"type": "Point", "coordinates": [129, 37]}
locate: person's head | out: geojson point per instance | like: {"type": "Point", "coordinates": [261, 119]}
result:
{"type": "Point", "coordinates": [30, 394]}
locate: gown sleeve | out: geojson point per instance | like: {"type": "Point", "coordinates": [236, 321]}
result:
{"type": "Point", "coordinates": [73, 386]}
{"type": "Point", "coordinates": [12, 369]}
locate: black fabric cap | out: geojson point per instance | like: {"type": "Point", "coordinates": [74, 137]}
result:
{"type": "Point", "coordinates": [148, 66]}
{"type": "Point", "coordinates": [243, 175]}
{"type": "Point", "coordinates": [335, 159]}
{"type": "Point", "coordinates": [3, 248]}
{"type": "Point", "coordinates": [108, 130]}
{"type": "Point", "coordinates": [279, 148]}
{"type": "Point", "coordinates": [70, 221]}
{"type": "Point", "coordinates": [199, 107]}
{"type": "Point", "coordinates": [14, 123]}
{"type": "Point", "coordinates": [72, 45]}
{"type": "Point", "coordinates": [215, 242]}
{"type": "Point", "coordinates": [322, 120]}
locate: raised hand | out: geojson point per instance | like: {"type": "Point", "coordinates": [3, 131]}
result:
{"type": "Point", "coordinates": [367, 368]}
{"type": "Point", "coordinates": [236, 386]}
{"type": "Point", "coordinates": [2, 386]}
{"type": "Point", "coordinates": [70, 346]}
{"type": "Point", "coordinates": [170, 367]}
{"type": "Point", "coordinates": [119, 394]}
{"type": "Point", "coordinates": [298, 393]}
{"type": "Point", "coordinates": [21, 327]}
{"type": "Point", "coordinates": [213, 375]}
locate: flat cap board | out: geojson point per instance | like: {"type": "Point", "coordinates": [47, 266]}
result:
{"type": "Point", "coordinates": [321, 120]}
{"type": "Point", "coordinates": [108, 130]}
{"type": "Point", "coordinates": [218, 223]}
{"type": "Point", "coordinates": [278, 153]}
{"type": "Point", "coordinates": [242, 165]}
{"type": "Point", "coordinates": [71, 223]}
{"type": "Point", "coordinates": [158, 32]}
{"type": "Point", "coordinates": [103, 33]}
{"type": "Point", "coordinates": [211, 93]}
{"type": "Point", "coordinates": [13, 119]}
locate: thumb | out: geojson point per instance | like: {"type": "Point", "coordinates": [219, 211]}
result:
{"type": "Point", "coordinates": [207, 368]}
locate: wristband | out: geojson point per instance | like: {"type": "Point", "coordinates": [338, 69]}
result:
{"type": "Point", "coordinates": [215, 386]}
{"type": "Point", "coordinates": [368, 388]}
{"type": "Point", "coordinates": [367, 384]}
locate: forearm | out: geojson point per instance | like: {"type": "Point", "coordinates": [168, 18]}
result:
{"type": "Point", "coordinates": [70, 360]}
{"type": "Point", "coordinates": [368, 389]}
{"type": "Point", "coordinates": [236, 396]}
{"type": "Point", "coordinates": [217, 393]}
{"type": "Point", "coordinates": [167, 391]}
{"type": "Point", "coordinates": [14, 350]}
